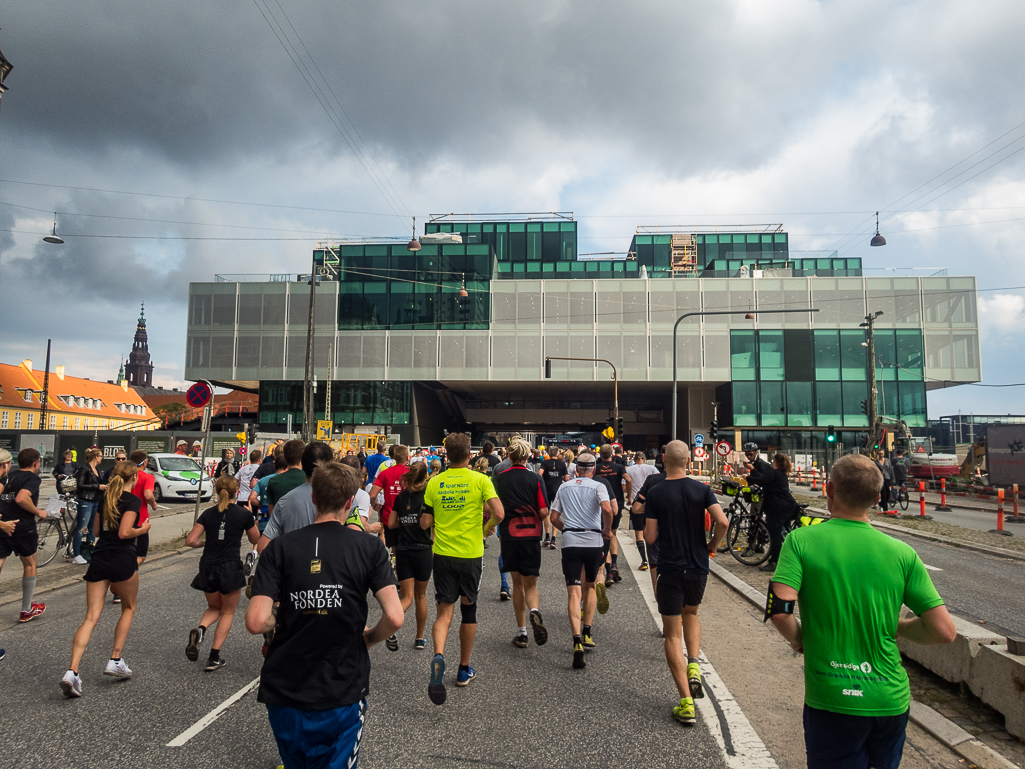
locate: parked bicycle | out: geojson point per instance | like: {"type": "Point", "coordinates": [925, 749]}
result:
{"type": "Point", "coordinates": [747, 536]}
{"type": "Point", "coordinates": [56, 532]}
{"type": "Point", "coordinates": [899, 496]}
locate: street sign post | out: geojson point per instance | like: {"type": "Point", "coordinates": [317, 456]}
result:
{"type": "Point", "coordinates": [699, 439]}
{"type": "Point", "coordinates": [699, 454]}
{"type": "Point", "coordinates": [199, 394]}
{"type": "Point", "coordinates": [324, 429]}
{"type": "Point", "coordinates": [722, 448]}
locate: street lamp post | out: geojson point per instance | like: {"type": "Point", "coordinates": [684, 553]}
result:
{"type": "Point", "coordinates": [748, 313]}
{"type": "Point", "coordinates": [309, 418]}
{"type": "Point", "coordinates": [615, 381]}
{"type": "Point", "coordinates": [873, 400]}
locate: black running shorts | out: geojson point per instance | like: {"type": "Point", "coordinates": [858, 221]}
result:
{"type": "Point", "coordinates": [112, 564]}
{"type": "Point", "coordinates": [454, 577]}
{"type": "Point", "coordinates": [142, 545]}
{"type": "Point", "coordinates": [577, 559]}
{"type": "Point", "coordinates": [23, 541]}
{"type": "Point", "coordinates": [414, 564]}
{"type": "Point", "coordinates": [616, 519]}
{"type": "Point", "coordinates": [637, 521]}
{"type": "Point", "coordinates": [522, 556]}
{"type": "Point", "coordinates": [653, 555]}
{"type": "Point", "coordinates": [391, 538]}
{"type": "Point", "coordinates": [678, 588]}
{"type": "Point", "coordinates": [223, 578]}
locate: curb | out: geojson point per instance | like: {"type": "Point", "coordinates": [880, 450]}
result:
{"type": "Point", "coordinates": [69, 581]}
{"type": "Point", "coordinates": [999, 552]}
{"type": "Point", "coordinates": [943, 729]}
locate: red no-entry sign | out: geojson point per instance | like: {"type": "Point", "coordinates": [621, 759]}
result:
{"type": "Point", "coordinates": [198, 395]}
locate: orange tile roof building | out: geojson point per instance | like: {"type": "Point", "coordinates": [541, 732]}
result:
{"type": "Point", "coordinates": [74, 403]}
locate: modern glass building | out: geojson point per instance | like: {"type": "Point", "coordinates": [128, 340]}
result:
{"type": "Point", "coordinates": [410, 353]}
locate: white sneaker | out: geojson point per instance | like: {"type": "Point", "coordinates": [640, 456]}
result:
{"type": "Point", "coordinates": [79, 561]}
{"type": "Point", "coordinates": [71, 685]}
{"type": "Point", "coordinates": [117, 669]}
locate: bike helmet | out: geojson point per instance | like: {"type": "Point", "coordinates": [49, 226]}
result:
{"type": "Point", "coordinates": [750, 446]}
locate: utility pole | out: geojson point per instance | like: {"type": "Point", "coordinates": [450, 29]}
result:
{"type": "Point", "coordinates": [309, 417]}
{"type": "Point", "coordinates": [873, 399]}
{"type": "Point", "coordinates": [46, 389]}
{"type": "Point", "coordinates": [327, 391]}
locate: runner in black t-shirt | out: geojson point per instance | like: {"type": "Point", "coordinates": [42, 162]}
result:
{"type": "Point", "coordinates": [675, 511]}
{"type": "Point", "coordinates": [220, 577]}
{"type": "Point", "coordinates": [19, 509]}
{"type": "Point", "coordinates": [638, 516]}
{"type": "Point", "coordinates": [554, 471]}
{"type": "Point", "coordinates": [523, 495]}
{"type": "Point", "coordinates": [316, 675]}
{"type": "Point", "coordinates": [414, 558]}
{"type": "Point", "coordinates": [115, 565]}
{"type": "Point", "coordinates": [615, 474]}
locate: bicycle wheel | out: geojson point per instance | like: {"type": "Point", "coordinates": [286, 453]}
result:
{"type": "Point", "coordinates": [730, 513]}
{"type": "Point", "coordinates": [748, 540]}
{"type": "Point", "coordinates": [902, 499]}
{"type": "Point", "coordinates": [51, 540]}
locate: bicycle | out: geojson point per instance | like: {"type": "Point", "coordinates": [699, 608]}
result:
{"type": "Point", "coordinates": [747, 537]}
{"type": "Point", "coordinates": [899, 496]}
{"type": "Point", "coordinates": [57, 529]}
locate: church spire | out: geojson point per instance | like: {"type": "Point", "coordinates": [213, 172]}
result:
{"type": "Point", "coordinates": [121, 371]}
{"type": "Point", "coordinates": [139, 370]}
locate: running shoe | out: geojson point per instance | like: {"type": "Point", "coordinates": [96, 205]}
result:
{"type": "Point", "coordinates": [768, 566]}
{"type": "Point", "coordinates": [436, 688]}
{"type": "Point", "coordinates": [608, 578]}
{"type": "Point", "coordinates": [118, 669]}
{"type": "Point", "coordinates": [420, 644]}
{"type": "Point", "coordinates": [212, 665]}
{"type": "Point", "coordinates": [588, 641]}
{"type": "Point", "coordinates": [504, 594]}
{"type": "Point", "coordinates": [684, 712]}
{"type": "Point", "coordinates": [603, 598]}
{"type": "Point", "coordinates": [697, 691]}
{"type": "Point", "coordinates": [578, 657]}
{"type": "Point", "coordinates": [615, 574]}
{"type": "Point", "coordinates": [71, 685]}
{"type": "Point", "coordinates": [31, 614]}
{"type": "Point", "coordinates": [520, 641]}
{"type": "Point", "coordinates": [538, 626]}
{"type": "Point", "coordinates": [392, 642]}
{"type": "Point", "coordinates": [250, 563]}
{"type": "Point", "coordinates": [79, 561]}
{"type": "Point", "coordinates": [465, 675]}
{"type": "Point", "coordinates": [249, 588]}
{"type": "Point", "coordinates": [3, 653]}
{"type": "Point", "coordinates": [117, 599]}
{"type": "Point", "coordinates": [192, 648]}
{"type": "Point", "coordinates": [644, 565]}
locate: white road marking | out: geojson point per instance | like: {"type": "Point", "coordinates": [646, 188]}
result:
{"type": "Point", "coordinates": [932, 568]}
{"type": "Point", "coordinates": [746, 749]}
{"type": "Point", "coordinates": [213, 715]}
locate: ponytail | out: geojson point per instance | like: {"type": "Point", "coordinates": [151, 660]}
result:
{"type": "Point", "coordinates": [122, 474]}
{"type": "Point", "coordinates": [226, 487]}
{"type": "Point", "coordinates": [415, 478]}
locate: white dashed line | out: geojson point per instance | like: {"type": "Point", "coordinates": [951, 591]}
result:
{"type": "Point", "coordinates": [740, 744]}
{"type": "Point", "coordinates": [213, 715]}
{"type": "Point", "coordinates": [932, 568]}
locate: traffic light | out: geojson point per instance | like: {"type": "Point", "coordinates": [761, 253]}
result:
{"type": "Point", "coordinates": [864, 408]}
{"type": "Point", "coordinates": [548, 368]}
{"type": "Point", "coordinates": [713, 430]}
{"type": "Point", "coordinates": [619, 428]}
{"type": "Point", "coordinates": [250, 434]}
{"type": "Point", "coordinates": [831, 434]}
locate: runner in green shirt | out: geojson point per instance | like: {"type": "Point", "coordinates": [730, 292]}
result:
{"type": "Point", "coordinates": [454, 504]}
{"type": "Point", "coordinates": [850, 581]}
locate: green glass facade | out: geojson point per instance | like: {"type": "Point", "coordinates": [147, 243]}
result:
{"type": "Point", "coordinates": [353, 403]}
{"type": "Point", "coordinates": [519, 242]}
{"type": "Point", "coordinates": [817, 378]}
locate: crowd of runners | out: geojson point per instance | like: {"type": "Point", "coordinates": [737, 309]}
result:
{"type": "Point", "coordinates": [326, 530]}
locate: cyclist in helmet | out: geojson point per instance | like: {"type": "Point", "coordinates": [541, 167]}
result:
{"type": "Point", "coordinates": [754, 463]}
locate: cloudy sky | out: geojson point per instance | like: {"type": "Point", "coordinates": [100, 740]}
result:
{"type": "Point", "coordinates": [179, 140]}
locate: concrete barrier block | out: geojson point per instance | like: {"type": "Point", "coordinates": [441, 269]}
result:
{"type": "Point", "coordinates": [953, 661]}
{"type": "Point", "coordinates": [998, 679]}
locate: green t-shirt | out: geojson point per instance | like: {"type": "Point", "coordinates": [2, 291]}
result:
{"type": "Point", "coordinates": [851, 581]}
{"type": "Point", "coordinates": [457, 498]}
{"type": "Point", "coordinates": [279, 485]}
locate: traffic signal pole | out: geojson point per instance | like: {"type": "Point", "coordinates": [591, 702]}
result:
{"type": "Point", "coordinates": [873, 398]}
{"type": "Point", "coordinates": [615, 381]}
{"type": "Point", "coordinates": [747, 313]}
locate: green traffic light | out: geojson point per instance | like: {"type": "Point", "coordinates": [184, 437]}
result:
{"type": "Point", "coordinates": [830, 438]}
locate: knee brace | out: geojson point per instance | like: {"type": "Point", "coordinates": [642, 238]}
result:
{"type": "Point", "coordinates": [469, 612]}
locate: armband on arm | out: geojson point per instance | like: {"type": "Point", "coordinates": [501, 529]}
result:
{"type": "Point", "coordinates": [776, 605]}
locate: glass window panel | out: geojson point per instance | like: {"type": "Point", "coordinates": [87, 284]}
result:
{"type": "Point", "coordinates": [798, 355]}
{"type": "Point", "coordinates": [912, 403]}
{"type": "Point", "coordinates": [853, 395]}
{"type": "Point", "coordinates": [272, 353]}
{"type": "Point", "coordinates": [745, 403]}
{"type": "Point", "coordinates": [828, 404]}
{"type": "Point", "coordinates": [273, 309]}
{"type": "Point", "coordinates": [250, 308]}
{"type": "Point", "coordinates": [224, 310]}
{"type": "Point", "coordinates": [743, 356]}
{"type": "Point", "coordinates": [771, 403]}
{"type": "Point", "coordinates": [888, 399]}
{"type": "Point", "coordinates": [799, 404]}
{"type": "Point", "coordinates": [827, 356]}
{"type": "Point", "coordinates": [853, 356]}
{"type": "Point", "coordinates": [770, 356]}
